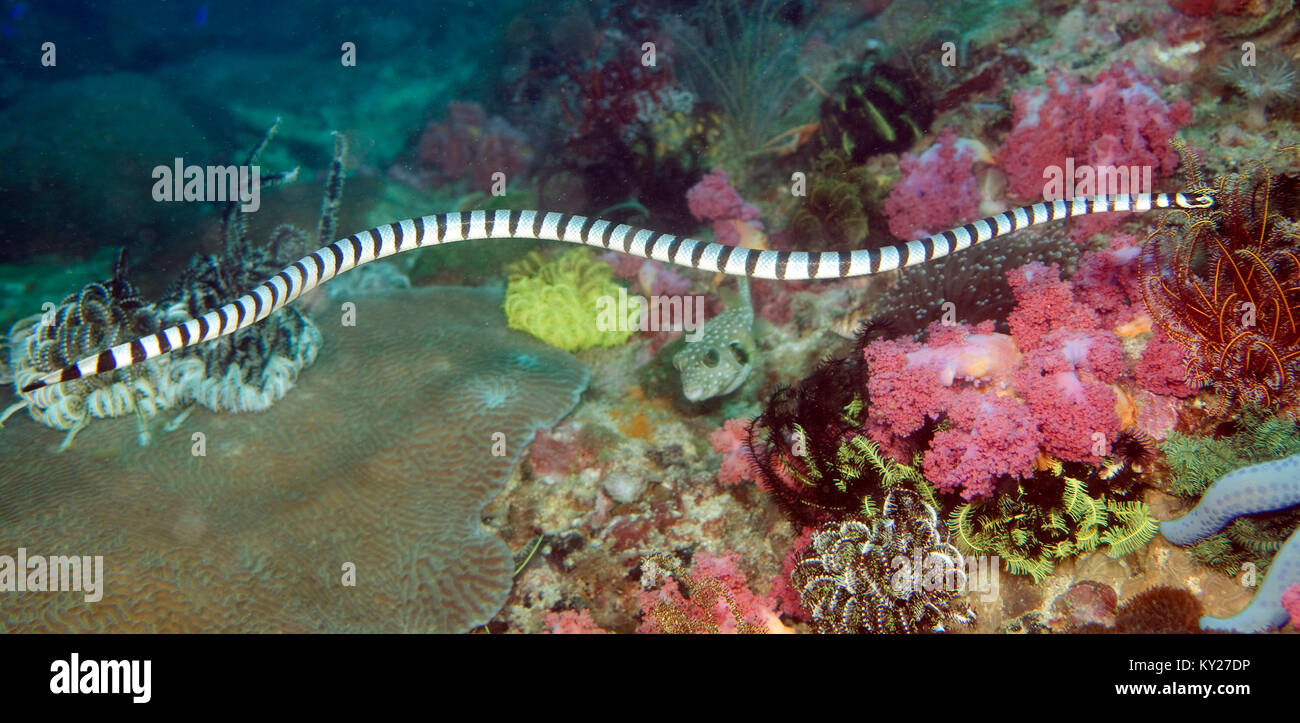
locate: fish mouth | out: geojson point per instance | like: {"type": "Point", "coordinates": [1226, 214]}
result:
{"type": "Point", "coordinates": [698, 394]}
{"type": "Point", "coordinates": [695, 395]}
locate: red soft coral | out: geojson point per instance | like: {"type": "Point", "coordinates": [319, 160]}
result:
{"type": "Point", "coordinates": [1059, 385]}
{"type": "Point", "coordinates": [467, 146]}
{"type": "Point", "coordinates": [1106, 280]}
{"type": "Point", "coordinates": [1076, 412]}
{"type": "Point", "coordinates": [937, 191]}
{"type": "Point", "coordinates": [791, 605]}
{"type": "Point", "coordinates": [910, 381]}
{"type": "Point", "coordinates": [1067, 350]}
{"type": "Point", "coordinates": [1047, 388]}
{"type": "Point", "coordinates": [1163, 366]}
{"type": "Point", "coordinates": [1064, 383]}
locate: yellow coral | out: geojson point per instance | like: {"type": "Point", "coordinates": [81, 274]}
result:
{"type": "Point", "coordinates": [559, 301]}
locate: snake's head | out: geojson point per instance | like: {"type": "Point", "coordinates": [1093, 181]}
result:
{"type": "Point", "coordinates": [1196, 198]}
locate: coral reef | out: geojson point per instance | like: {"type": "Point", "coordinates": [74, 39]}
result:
{"type": "Point", "coordinates": [1263, 487]}
{"type": "Point", "coordinates": [1224, 283]}
{"type": "Point", "coordinates": [97, 317]}
{"type": "Point", "coordinates": [891, 572]}
{"type": "Point", "coordinates": [712, 598]}
{"type": "Point", "coordinates": [1118, 120]}
{"type": "Point", "coordinates": [1003, 399]}
{"type": "Point", "coordinates": [938, 189]}
{"type": "Point", "coordinates": [558, 300]}
{"type": "Point", "coordinates": [248, 532]}
{"type": "Point", "coordinates": [467, 147]}
{"type": "Point", "coordinates": [1062, 512]}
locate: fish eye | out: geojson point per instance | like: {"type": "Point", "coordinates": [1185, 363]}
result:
{"type": "Point", "coordinates": [738, 351]}
{"type": "Point", "coordinates": [711, 358]}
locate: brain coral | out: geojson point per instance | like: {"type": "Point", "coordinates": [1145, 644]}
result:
{"type": "Point", "coordinates": [385, 459]}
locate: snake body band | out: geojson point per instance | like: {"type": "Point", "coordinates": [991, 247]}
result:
{"type": "Point", "coordinates": [345, 254]}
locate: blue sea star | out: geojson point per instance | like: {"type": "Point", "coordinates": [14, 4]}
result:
{"type": "Point", "coordinates": [1263, 487]}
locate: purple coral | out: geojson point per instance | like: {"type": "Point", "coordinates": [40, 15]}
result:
{"type": "Point", "coordinates": [938, 189]}
{"type": "Point", "coordinates": [467, 146]}
{"type": "Point", "coordinates": [714, 199]}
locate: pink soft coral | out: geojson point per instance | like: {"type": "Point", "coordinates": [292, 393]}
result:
{"type": "Point", "coordinates": [466, 146]}
{"type": "Point", "coordinates": [1163, 369]}
{"type": "Point", "coordinates": [1044, 303]}
{"type": "Point", "coordinates": [731, 440]}
{"type": "Point", "coordinates": [791, 605]}
{"type": "Point", "coordinates": [1291, 603]}
{"type": "Point", "coordinates": [571, 622]}
{"type": "Point", "coordinates": [1118, 120]}
{"type": "Point", "coordinates": [911, 381]}
{"type": "Point", "coordinates": [723, 568]}
{"type": "Point", "coordinates": [714, 199]}
{"type": "Point", "coordinates": [937, 191]}
{"type": "Point", "coordinates": [991, 437]}
{"type": "Point", "coordinates": [1050, 387]}
{"type": "Point", "coordinates": [1106, 280]}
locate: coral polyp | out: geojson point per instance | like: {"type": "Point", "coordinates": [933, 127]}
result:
{"type": "Point", "coordinates": [1224, 283]}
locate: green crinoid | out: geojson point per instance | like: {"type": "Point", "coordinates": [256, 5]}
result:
{"type": "Point", "coordinates": [1050, 518]}
{"type": "Point", "coordinates": [855, 467]}
{"type": "Point", "coordinates": [1257, 435]}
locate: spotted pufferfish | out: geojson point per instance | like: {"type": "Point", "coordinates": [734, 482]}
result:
{"type": "Point", "coordinates": [721, 356]}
